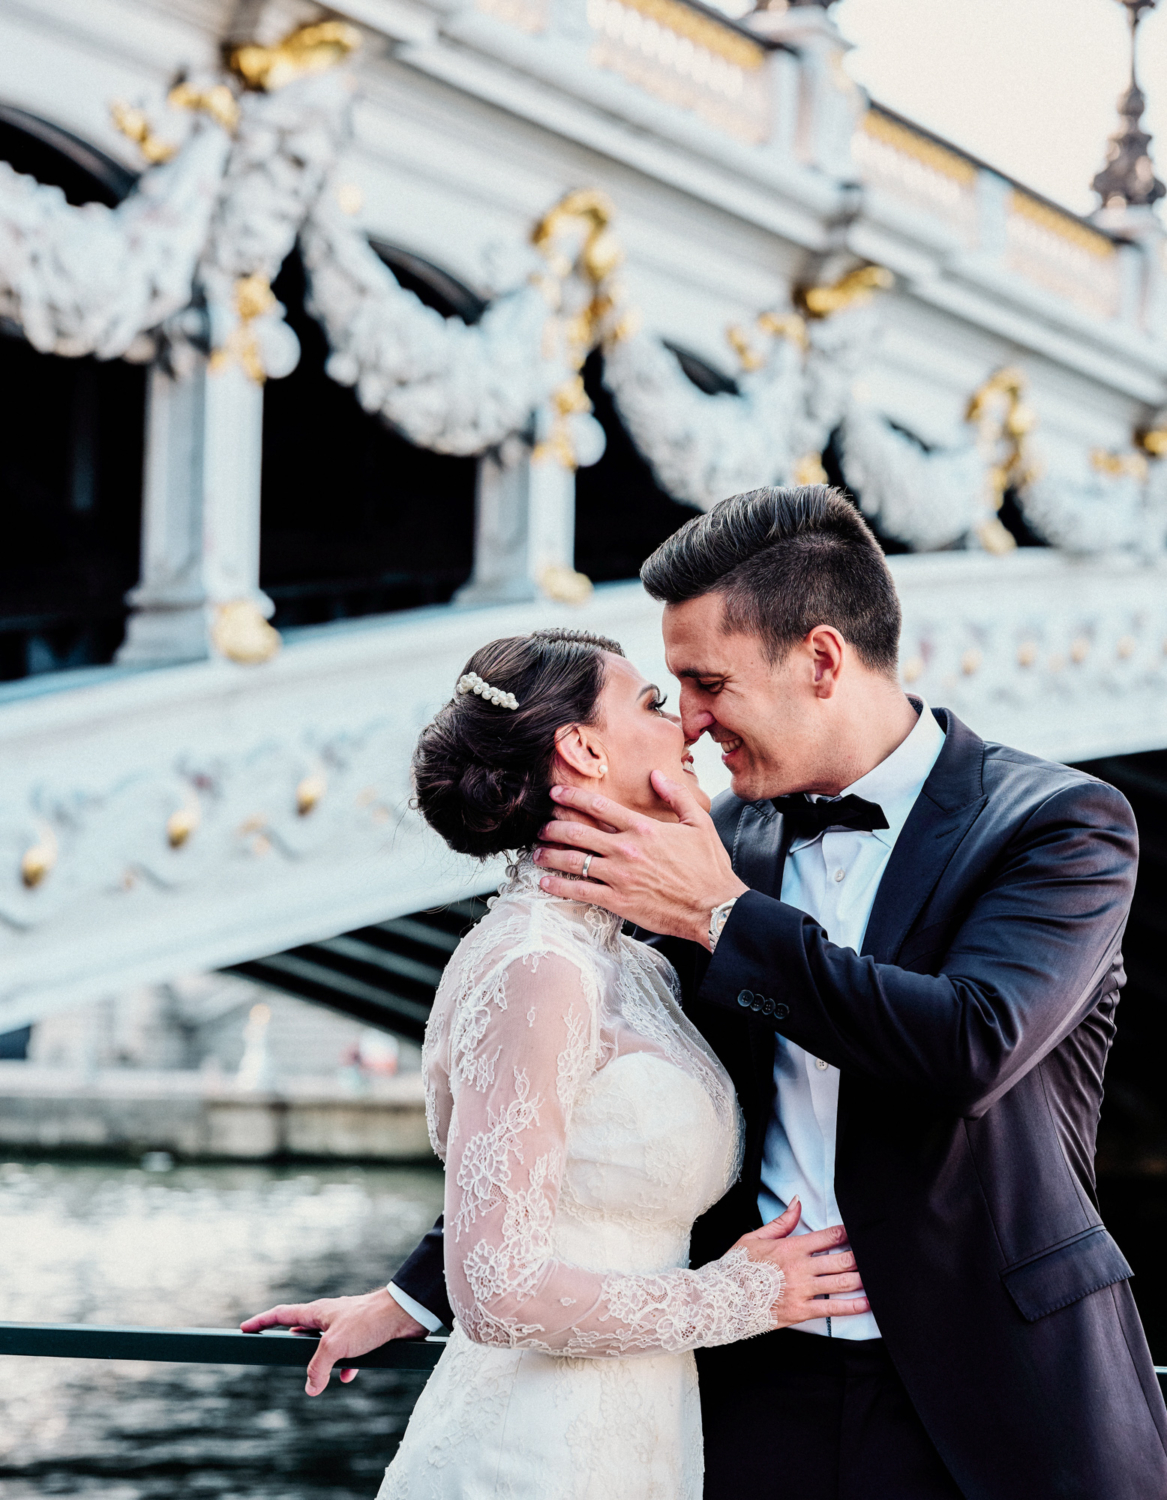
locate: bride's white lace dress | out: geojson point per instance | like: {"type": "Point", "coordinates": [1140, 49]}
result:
{"type": "Point", "coordinates": [584, 1124]}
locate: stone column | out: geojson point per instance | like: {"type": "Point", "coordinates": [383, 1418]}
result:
{"type": "Point", "coordinates": [199, 592]}
{"type": "Point", "coordinates": [524, 529]}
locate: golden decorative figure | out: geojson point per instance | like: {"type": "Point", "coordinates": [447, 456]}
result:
{"type": "Point", "coordinates": [253, 298]}
{"type": "Point", "coordinates": [970, 662]}
{"type": "Point", "coordinates": [739, 341]}
{"type": "Point", "coordinates": [1153, 440]}
{"type": "Point", "coordinates": [217, 101]}
{"type": "Point", "coordinates": [135, 126]}
{"type": "Point", "coordinates": [309, 792]}
{"type": "Point", "coordinates": [790, 326]}
{"type": "Point", "coordinates": [241, 634]}
{"type": "Point", "coordinates": [809, 470]}
{"type": "Point", "coordinates": [913, 669]}
{"type": "Point", "coordinates": [852, 290]}
{"type": "Point", "coordinates": [1080, 649]}
{"type": "Point", "coordinates": [1119, 465]}
{"type": "Point", "coordinates": [308, 49]}
{"type": "Point", "coordinates": [1003, 423]}
{"type": "Point", "coordinates": [564, 585]}
{"type": "Point", "coordinates": [1026, 654]}
{"type": "Point", "coordinates": [181, 824]}
{"type": "Point", "coordinates": [39, 859]}
{"type": "Point", "coordinates": [589, 212]}
{"type": "Point", "coordinates": [1126, 647]}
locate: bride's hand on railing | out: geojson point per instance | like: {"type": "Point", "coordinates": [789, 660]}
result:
{"type": "Point", "coordinates": [817, 1271]}
{"type": "Point", "coordinates": [349, 1326]}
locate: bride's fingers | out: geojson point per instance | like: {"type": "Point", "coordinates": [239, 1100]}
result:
{"type": "Point", "coordinates": [779, 1228]}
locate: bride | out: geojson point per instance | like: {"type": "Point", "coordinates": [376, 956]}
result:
{"type": "Point", "coordinates": [584, 1125]}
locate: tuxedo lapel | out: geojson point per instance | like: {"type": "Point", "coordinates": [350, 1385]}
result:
{"type": "Point", "coordinates": [951, 801]}
{"type": "Point", "coordinates": [758, 850]}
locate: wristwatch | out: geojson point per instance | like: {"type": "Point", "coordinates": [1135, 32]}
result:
{"type": "Point", "coordinates": [718, 917]}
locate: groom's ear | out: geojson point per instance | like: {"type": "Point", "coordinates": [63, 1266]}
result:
{"type": "Point", "coordinates": [579, 751]}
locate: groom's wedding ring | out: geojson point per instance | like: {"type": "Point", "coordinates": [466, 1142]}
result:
{"type": "Point", "coordinates": [587, 864]}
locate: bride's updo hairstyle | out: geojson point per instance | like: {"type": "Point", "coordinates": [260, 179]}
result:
{"type": "Point", "coordinates": [481, 770]}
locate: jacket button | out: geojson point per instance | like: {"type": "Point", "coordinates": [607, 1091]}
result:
{"type": "Point", "coordinates": [744, 997]}
{"type": "Point", "coordinates": [781, 1010]}
{"type": "Point", "coordinates": [756, 1005]}
{"type": "Point", "coordinates": [768, 1007]}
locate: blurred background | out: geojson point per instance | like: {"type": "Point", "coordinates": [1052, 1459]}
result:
{"type": "Point", "coordinates": [336, 340]}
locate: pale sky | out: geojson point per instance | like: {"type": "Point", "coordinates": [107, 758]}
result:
{"type": "Point", "coordinates": [1028, 85]}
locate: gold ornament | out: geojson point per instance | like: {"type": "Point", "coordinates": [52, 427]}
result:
{"type": "Point", "coordinates": [1003, 422]}
{"type": "Point", "coordinates": [241, 634]}
{"type": "Point", "coordinates": [39, 859]}
{"type": "Point", "coordinates": [565, 585]}
{"type": "Point", "coordinates": [587, 212]}
{"type": "Point", "coordinates": [253, 298]}
{"type": "Point", "coordinates": [1119, 465]}
{"type": "Point", "coordinates": [307, 50]}
{"type": "Point", "coordinates": [852, 290]}
{"type": "Point", "coordinates": [181, 824]}
{"type": "Point", "coordinates": [809, 470]}
{"type": "Point", "coordinates": [135, 126]}
{"type": "Point", "coordinates": [217, 101]}
{"type": "Point", "coordinates": [309, 793]}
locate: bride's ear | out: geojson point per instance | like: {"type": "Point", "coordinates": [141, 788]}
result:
{"type": "Point", "coordinates": [579, 750]}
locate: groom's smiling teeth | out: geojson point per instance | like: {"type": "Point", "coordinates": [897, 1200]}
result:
{"type": "Point", "coordinates": [729, 744]}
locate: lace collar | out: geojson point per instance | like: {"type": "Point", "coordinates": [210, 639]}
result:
{"type": "Point", "coordinates": [602, 927]}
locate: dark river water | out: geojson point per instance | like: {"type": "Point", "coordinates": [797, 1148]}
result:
{"type": "Point", "coordinates": [196, 1246]}
{"type": "Point", "coordinates": [207, 1245]}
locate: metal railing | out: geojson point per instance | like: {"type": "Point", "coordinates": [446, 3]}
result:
{"type": "Point", "coordinates": [218, 1346]}
{"type": "Point", "coordinates": [205, 1346]}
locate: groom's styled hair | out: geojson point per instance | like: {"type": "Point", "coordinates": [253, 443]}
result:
{"type": "Point", "coordinates": [784, 561]}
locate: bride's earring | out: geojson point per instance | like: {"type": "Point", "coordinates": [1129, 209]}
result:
{"type": "Point", "coordinates": [603, 769]}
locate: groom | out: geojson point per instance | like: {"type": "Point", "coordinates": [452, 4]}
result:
{"type": "Point", "coordinates": [914, 988]}
{"type": "Point", "coordinates": [904, 943]}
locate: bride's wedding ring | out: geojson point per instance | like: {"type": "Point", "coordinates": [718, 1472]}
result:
{"type": "Point", "coordinates": [587, 864]}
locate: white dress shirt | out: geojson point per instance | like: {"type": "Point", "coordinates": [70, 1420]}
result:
{"type": "Point", "coordinates": [834, 878]}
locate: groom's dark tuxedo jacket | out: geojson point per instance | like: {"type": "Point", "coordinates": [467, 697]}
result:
{"type": "Point", "coordinates": [971, 1034]}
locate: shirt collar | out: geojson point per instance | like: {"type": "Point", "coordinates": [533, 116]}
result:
{"type": "Point", "coordinates": [898, 780]}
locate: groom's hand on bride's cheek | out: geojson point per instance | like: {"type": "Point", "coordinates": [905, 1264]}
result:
{"type": "Point", "coordinates": [665, 877]}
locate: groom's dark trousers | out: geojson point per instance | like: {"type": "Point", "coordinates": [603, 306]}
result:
{"type": "Point", "coordinates": [971, 1035]}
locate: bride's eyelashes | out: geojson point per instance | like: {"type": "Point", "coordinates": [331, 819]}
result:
{"type": "Point", "coordinates": [658, 703]}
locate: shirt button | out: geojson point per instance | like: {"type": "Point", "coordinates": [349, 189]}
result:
{"type": "Point", "coordinates": [839, 874]}
{"type": "Point", "coordinates": [820, 1065]}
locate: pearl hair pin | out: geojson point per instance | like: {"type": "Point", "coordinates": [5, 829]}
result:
{"type": "Point", "coordinates": [470, 682]}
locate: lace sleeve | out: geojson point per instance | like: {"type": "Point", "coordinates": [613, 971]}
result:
{"type": "Point", "coordinates": [527, 1046]}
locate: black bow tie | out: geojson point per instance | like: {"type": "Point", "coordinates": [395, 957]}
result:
{"type": "Point", "coordinates": [806, 819]}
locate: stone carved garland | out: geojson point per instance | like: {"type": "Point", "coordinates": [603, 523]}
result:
{"type": "Point", "coordinates": [211, 227]}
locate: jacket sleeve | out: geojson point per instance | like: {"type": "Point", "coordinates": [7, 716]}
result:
{"type": "Point", "coordinates": [1021, 971]}
{"type": "Point", "coordinates": [527, 1053]}
{"type": "Point", "coordinates": [423, 1276]}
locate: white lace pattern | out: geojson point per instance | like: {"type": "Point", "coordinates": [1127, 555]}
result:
{"type": "Point", "coordinates": [585, 1125]}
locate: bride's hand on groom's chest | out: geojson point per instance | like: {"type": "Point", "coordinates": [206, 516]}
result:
{"type": "Point", "coordinates": [664, 877]}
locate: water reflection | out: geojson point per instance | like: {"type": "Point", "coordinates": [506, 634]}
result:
{"type": "Point", "coordinates": [196, 1246]}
